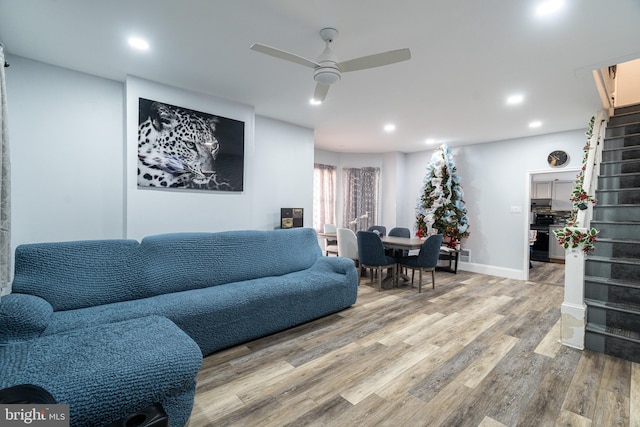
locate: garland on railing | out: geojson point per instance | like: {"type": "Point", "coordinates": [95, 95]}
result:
{"type": "Point", "coordinates": [571, 236]}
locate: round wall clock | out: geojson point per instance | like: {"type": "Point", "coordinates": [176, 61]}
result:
{"type": "Point", "coordinates": [558, 158]}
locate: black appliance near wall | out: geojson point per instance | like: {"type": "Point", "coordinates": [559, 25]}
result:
{"type": "Point", "coordinates": [540, 249]}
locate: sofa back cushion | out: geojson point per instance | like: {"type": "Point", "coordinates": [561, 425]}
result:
{"type": "Point", "coordinates": [78, 274]}
{"type": "Point", "coordinates": [183, 261]}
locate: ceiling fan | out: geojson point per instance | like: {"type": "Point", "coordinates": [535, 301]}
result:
{"type": "Point", "coordinates": [327, 69]}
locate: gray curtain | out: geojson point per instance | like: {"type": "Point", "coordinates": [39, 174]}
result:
{"type": "Point", "coordinates": [5, 184]}
{"type": "Point", "coordinates": [360, 189]}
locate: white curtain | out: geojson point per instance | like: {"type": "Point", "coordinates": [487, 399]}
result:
{"type": "Point", "coordinates": [324, 196]}
{"type": "Point", "coordinates": [360, 189]}
{"type": "Point", "coordinates": [5, 184]}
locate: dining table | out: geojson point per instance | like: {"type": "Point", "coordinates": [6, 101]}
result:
{"type": "Point", "coordinates": [449, 255]}
{"type": "Point", "coordinates": [413, 243]}
{"type": "Point", "coordinates": [404, 243]}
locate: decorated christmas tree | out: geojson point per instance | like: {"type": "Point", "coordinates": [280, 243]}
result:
{"type": "Point", "coordinates": [441, 206]}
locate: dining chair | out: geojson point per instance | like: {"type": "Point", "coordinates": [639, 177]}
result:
{"type": "Point", "coordinates": [348, 244]}
{"type": "Point", "coordinates": [398, 232]}
{"type": "Point", "coordinates": [371, 255]}
{"type": "Point", "coordinates": [381, 229]}
{"type": "Point", "coordinates": [426, 260]}
{"type": "Point", "coordinates": [331, 246]}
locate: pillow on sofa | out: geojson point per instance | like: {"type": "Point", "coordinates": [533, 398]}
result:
{"type": "Point", "coordinates": [23, 317]}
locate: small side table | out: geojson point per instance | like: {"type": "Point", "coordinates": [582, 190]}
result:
{"type": "Point", "coordinates": [450, 255]}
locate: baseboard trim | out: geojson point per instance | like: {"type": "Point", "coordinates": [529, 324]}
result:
{"type": "Point", "coordinates": [508, 273]}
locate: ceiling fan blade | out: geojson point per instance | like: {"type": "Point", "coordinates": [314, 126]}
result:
{"type": "Point", "coordinates": [376, 60]}
{"type": "Point", "coordinates": [321, 92]}
{"type": "Point", "coordinates": [281, 54]}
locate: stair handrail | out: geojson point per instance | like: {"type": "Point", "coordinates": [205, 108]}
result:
{"type": "Point", "coordinates": [591, 166]}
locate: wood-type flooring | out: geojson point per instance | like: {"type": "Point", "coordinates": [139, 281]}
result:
{"type": "Point", "coordinates": [477, 351]}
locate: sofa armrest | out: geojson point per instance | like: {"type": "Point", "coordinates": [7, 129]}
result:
{"type": "Point", "coordinates": [23, 317]}
{"type": "Point", "coordinates": [340, 265]}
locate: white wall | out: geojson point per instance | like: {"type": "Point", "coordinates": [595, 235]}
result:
{"type": "Point", "coordinates": [68, 152]}
{"type": "Point", "coordinates": [159, 210]}
{"type": "Point", "coordinates": [66, 133]}
{"type": "Point", "coordinates": [282, 171]}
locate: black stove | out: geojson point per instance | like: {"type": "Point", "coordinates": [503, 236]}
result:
{"type": "Point", "coordinates": [540, 248]}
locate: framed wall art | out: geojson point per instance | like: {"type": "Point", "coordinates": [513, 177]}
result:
{"type": "Point", "coordinates": [181, 148]}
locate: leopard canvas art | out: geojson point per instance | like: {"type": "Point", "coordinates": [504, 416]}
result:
{"type": "Point", "coordinates": [186, 149]}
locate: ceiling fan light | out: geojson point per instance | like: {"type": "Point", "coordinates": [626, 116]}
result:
{"type": "Point", "coordinates": [326, 76]}
{"type": "Point", "coordinates": [314, 101]}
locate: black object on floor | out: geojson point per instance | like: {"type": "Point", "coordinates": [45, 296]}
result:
{"type": "Point", "coordinates": [151, 416]}
{"type": "Point", "coordinates": [26, 393]}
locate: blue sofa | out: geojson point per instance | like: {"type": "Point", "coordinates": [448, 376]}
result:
{"type": "Point", "coordinates": [137, 317]}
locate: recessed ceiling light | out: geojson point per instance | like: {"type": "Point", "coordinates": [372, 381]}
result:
{"type": "Point", "coordinates": [535, 124]}
{"type": "Point", "coordinates": [515, 99]}
{"type": "Point", "coordinates": [549, 6]}
{"type": "Point", "coordinates": [138, 43]}
{"type": "Point", "coordinates": [314, 101]}
{"type": "Point", "coordinates": [389, 127]}
{"type": "Point", "coordinates": [429, 141]}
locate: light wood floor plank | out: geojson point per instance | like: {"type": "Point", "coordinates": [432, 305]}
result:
{"type": "Point", "coordinates": [386, 373]}
{"type": "Point", "coordinates": [490, 422]}
{"type": "Point", "coordinates": [475, 351]}
{"type": "Point", "coordinates": [480, 368]}
{"type": "Point", "coordinates": [583, 391]}
{"type": "Point", "coordinates": [550, 344]}
{"type": "Point", "coordinates": [571, 419]}
{"type": "Point", "coordinates": [634, 395]}
{"type": "Point", "coordinates": [400, 388]}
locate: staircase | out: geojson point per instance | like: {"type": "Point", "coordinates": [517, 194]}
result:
{"type": "Point", "coordinates": [612, 272]}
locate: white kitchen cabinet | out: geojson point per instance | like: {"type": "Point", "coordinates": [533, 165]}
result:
{"type": "Point", "coordinates": [561, 193]}
{"type": "Point", "coordinates": [541, 189]}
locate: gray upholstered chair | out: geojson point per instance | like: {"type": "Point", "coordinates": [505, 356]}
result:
{"type": "Point", "coordinates": [398, 232]}
{"type": "Point", "coordinates": [331, 246]}
{"type": "Point", "coordinates": [380, 229]}
{"type": "Point", "coordinates": [426, 260]}
{"type": "Point", "coordinates": [371, 254]}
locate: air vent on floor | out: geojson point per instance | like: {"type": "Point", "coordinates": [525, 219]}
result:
{"type": "Point", "coordinates": [465, 255]}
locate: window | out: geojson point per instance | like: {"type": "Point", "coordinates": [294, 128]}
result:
{"type": "Point", "coordinates": [361, 188]}
{"type": "Point", "coordinates": [324, 196]}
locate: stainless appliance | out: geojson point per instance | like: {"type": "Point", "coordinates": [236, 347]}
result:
{"type": "Point", "coordinates": [540, 205]}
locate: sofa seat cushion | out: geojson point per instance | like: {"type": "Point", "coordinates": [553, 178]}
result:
{"type": "Point", "coordinates": [106, 372]}
{"type": "Point", "coordinates": [222, 316]}
{"type": "Point", "coordinates": [23, 317]}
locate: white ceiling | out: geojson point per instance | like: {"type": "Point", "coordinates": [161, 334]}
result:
{"type": "Point", "coordinates": [467, 57]}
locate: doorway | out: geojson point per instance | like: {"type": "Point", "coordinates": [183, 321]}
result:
{"type": "Point", "coordinates": [549, 208]}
